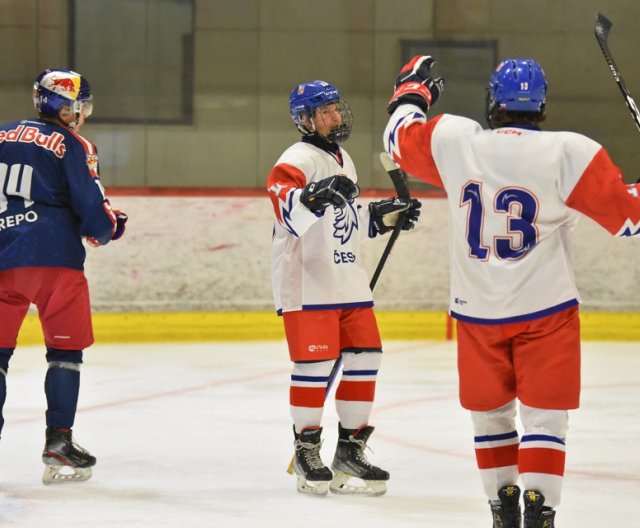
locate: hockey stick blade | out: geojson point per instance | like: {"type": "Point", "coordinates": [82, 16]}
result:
{"type": "Point", "coordinates": [601, 29]}
{"type": "Point", "coordinates": [397, 176]}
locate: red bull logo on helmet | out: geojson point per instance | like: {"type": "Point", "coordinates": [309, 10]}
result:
{"type": "Point", "coordinates": [65, 84]}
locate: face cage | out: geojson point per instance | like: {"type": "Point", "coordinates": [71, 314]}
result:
{"type": "Point", "coordinates": [342, 132]}
{"type": "Point", "coordinates": [489, 107]}
{"type": "Point", "coordinates": [339, 134]}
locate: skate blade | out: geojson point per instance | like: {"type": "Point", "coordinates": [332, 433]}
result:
{"type": "Point", "coordinates": [54, 474]}
{"type": "Point", "coordinates": [312, 487]}
{"type": "Point", "coordinates": [344, 484]}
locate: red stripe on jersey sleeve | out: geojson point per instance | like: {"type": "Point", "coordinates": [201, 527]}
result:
{"type": "Point", "coordinates": [541, 460]}
{"type": "Point", "coordinates": [415, 156]}
{"type": "Point", "coordinates": [495, 457]}
{"type": "Point", "coordinates": [281, 180]}
{"type": "Point", "coordinates": [107, 208]}
{"type": "Point", "coordinates": [90, 152]}
{"type": "Point", "coordinates": [88, 147]}
{"type": "Point", "coordinates": [602, 195]}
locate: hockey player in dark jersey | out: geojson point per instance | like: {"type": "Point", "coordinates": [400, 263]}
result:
{"type": "Point", "coordinates": [50, 199]}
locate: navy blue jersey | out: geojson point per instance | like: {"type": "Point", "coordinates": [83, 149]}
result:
{"type": "Point", "coordinates": [50, 196]}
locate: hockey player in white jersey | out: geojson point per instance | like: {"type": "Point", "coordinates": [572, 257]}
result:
{"type": "Point", "coordinates": [514, 193]}
{"type": "Point", "coordinates": [321, 290]}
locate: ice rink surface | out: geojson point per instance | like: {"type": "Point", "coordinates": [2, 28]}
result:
{"type": "Point", "coordinates": [199, 435]}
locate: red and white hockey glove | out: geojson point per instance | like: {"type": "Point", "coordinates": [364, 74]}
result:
{"type": "Point", "coordinates": [415, 85]}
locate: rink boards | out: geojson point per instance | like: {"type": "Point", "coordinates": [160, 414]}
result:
{"type": "Point", "coordinates": [205, 276]}
{"type": "Point", "coordinates": [259, 326]}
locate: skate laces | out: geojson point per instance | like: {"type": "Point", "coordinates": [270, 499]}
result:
{"type": "Point", "coordinates": [310, 453]}
{"type": "Point", "coordinates": [76, 448]}
{"type": "Point", "coordinates": [70, 447]}
{"type": "Point", "coordinates": [360, 454]}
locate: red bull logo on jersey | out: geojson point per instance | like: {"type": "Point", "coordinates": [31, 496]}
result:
{"type": "Point", "coordinates": [67, 85]}
{"type": "Point", "coordinates": [28, 134]}
{"type": "Point", "coordinates": [92, 164]}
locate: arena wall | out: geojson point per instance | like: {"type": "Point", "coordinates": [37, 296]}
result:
{"type": "Point", "coordinates": [198, 267]}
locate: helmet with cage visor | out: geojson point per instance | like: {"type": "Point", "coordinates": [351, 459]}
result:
{"type": "Point", "coordinates": [308, 98]}
{"type": "Point", "coordinates": [57, 88]}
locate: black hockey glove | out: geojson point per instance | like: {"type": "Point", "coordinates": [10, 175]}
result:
{"type": "Point", "coordinates": [334, 190]}
{"type": "Point", "coordinates": [415, 85]}
{"type": "Point", "coordinates": [384, 214]}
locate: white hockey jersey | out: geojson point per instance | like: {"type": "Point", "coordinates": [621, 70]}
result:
{"type": "Point", "coordinates": [315, 258]}
{"type": "Point", "coordinates": [513, 194]}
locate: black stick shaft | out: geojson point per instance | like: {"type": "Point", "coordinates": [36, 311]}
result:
{"type": "Point", "coordinates": [402, 190]}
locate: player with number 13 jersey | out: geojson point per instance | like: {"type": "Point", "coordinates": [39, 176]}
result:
{"type": "Point", "coordinates": [514, 193]}
{"type": "Point", "coordinates": [512, 211]}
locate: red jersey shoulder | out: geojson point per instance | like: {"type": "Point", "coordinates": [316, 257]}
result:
{"type": "Point", "coordinates": [91, 153]}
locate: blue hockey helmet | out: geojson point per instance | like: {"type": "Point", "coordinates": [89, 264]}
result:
{"type": "Point", "coordinates": [517, 85]}
{"type": "Point", "coordinates": [307, 97]}
{"type": "Point", "coordinates": [57, 88]}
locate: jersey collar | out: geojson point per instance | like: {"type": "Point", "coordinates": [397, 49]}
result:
{"type": "Point", "coordinates": [326, 145]}
{"type": "Point", "coordinates": [525, 126]}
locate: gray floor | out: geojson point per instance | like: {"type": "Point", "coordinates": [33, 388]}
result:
{"type": "Point", "coordinates": [199, 435]}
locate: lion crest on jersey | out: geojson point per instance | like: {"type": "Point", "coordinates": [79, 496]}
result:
{"type": "Point", "coordinates": [345, 223]}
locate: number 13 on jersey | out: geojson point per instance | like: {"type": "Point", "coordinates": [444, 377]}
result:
{"type": "Point", "coordinates": [519, 208]}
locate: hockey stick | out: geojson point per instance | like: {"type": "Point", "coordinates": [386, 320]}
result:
{"type": "Point", "coordinates": [402, 190]}
{"type": "Point", "coordinates": [601, 29]}
{"type": "Point", "coordinates": [399, 180]}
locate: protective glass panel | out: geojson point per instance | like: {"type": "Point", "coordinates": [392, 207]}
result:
{"type": "Point", "coordinates": [138, 57]}
{"type": "Point", "coordinates": [466, 67]}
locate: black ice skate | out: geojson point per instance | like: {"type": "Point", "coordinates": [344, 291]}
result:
{"type": "Point", "coordinates": [65, 460]}
{"type": "Point", "coordinates": [350, 462]}
{"type": "Point", "coordinates": [313, 475]}
{"type": "Point", "coordinates": [535, 514]}
{"type": "Point", "coordinates": [506, 511]}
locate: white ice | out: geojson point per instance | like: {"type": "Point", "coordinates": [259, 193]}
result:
{"type": "Point", "coordinates": [199, 435]}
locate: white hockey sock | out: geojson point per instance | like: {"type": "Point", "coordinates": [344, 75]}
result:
{"type": "Point", "coordinates": [542, 451]}
{"type": "Point", "coordinates": [307, 393]}
{"type": "Point", "coordinates": [496, 445]}
{"type": "Point", "coordinates": [356, 391]}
